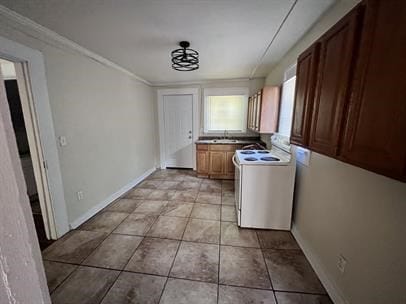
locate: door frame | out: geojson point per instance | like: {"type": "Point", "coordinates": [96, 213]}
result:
{"type": "Point", "coordinates": [22, 278]}
{"type": "Point", "coordinates": [54, 208]}
{"type": "Point", "coordinates": [195, 119]}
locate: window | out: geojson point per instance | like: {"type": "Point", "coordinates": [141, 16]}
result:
{"type": "Point", "coordinates": [287, 102]}
{"type": "Point", "coordinates": [225, 110]}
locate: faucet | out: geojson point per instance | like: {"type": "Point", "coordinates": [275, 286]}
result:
{"type": "Point", "coordinates": [225, 134]}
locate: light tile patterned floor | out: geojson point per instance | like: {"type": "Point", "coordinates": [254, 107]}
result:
{"type": "Point", "coordinates": [173, 239]}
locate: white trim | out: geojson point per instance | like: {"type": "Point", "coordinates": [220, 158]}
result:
{"type": "Point", "coordinates": [84, 217]}
{"type": "Point", "coordinates": [196, 114]}
{"type": "Point", "coordinates": [35, 146]}
{"type": "Point", "coordinates": [290, 72]}
{"type": "Point", "coordinates": [332, 289]}
{"type": "Point", "coordinates": [226, 91]}
{"type": "Point", "coordinates": [52, 37]}
{"type": "Point", "coordinates": [16, 52]}
{"type": "Point", "coordinates": [202, 82]}
{"type": "Point", "coordinates": [243, 91]}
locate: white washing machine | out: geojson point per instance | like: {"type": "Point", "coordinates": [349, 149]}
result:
{"type": "Point", "coordinates": [264, 184]}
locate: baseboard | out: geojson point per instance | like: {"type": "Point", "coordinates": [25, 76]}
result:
{"type": "Point", "coordinates": [83, 218]}
{"type": "Point", "coordinates": [333, 291]}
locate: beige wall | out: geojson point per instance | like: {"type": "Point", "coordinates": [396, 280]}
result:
{"type": "Point", "coordinates": [106, 116]}
{"type": "Point", "coordinates": [342, 209]}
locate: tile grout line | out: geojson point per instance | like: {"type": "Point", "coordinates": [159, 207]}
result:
{"type": "Point", "coordinates": [64, 280]}
{"type": "Point", "coordinates": [81, 264]}
{"type": "Point", "coordinates": [173, 262]}
{"type": "Point", "coordinates": [193, 280]}
{"type": "Point", "coordinates": [129, 258]}
{"type": "Point", "coordinates": [122, 270]}
{"type": "Point", "coordinates": [189, 219]}
{"type": "Point", "coordinates": [218, 273]}
{"type": "Point", "coordinates": [266, 267]}
{"type": "Point", "coordinates": [84, 259]}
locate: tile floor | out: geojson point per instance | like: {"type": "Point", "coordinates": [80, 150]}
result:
{"type": "Point", "coordinates": [173, 239]}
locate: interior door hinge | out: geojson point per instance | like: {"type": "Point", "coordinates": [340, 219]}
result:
{"type": "Point", "coordinates": [45, 164]}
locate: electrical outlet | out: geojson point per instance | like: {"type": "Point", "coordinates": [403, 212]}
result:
{"type": "Point", "coordinates": [62, 141]}
{"type": "Point", "coordinates": [341, 263]}
{"type": "Point", "coordinates": [303, 156]}
{"type": "Point", "coordinates": [79, 195]}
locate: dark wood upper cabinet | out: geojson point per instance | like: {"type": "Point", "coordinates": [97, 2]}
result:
{"type": "Point", "coordinates": [375, 132]}
{"type": "Point", "coordinates": [304, 94]}
{"type": "Point", "coordinates": [350, 100]}
{"type": "Point", "coordinates": [337, 53]}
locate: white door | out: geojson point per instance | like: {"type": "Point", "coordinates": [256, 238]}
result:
{"type": "Point", "coordinates": [178, 124]}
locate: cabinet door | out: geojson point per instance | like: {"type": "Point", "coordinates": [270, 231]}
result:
{"type": "Point", "coordinates": [269, 109]}
{"type": "Point", "coordinates": [305, 85]}
{"type": "Point", "coordinates": [337, 49]}
{"type": "Point", "coordinates": [229, 163]}
{"type": "Point", "coordinates": [202, 162]}
{"type": "Point", "coordinates": [250, 111]}
{"type": "Point", "coordinates": [254, 111]}
{"type": "Point", "coordinates": [258, 102]}
{"type": "Point", "coordinates": [217, 162]}
{"type": "Point", "coordinates": [375, 130]}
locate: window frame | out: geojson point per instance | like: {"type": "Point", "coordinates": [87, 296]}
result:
{"type": "Point", "coordinates": [289, 75]}
{"type": "Point", "coordinates": [242, 91]}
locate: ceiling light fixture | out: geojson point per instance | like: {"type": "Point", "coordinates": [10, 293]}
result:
{"type": "Point", "coordinates": [185, 59]}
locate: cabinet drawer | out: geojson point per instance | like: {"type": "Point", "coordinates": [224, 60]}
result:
{"type": "Point", "coordinates": [222, 147]}
{"type": "Point", "coordinates": [202, 147]}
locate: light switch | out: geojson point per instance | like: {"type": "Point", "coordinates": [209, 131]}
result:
{"type": "Point", "coordinates": [62, 141]}
{"type": "Point", "coordinates": [303, 156]}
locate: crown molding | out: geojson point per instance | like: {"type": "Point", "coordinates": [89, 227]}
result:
{"type": "Point", "coordinates": [56, 40]}
{"type": "Point", "coordinates": [201, 82]}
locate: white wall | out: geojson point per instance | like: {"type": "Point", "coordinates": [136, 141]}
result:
{"type": "Point", "coordinates": [254, 85]}
{"type": "Point", "coordinates": [343, 209]}
{"type": "Point", "coordinates": [106, 116]}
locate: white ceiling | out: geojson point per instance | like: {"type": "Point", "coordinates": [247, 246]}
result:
{"type": "Point", "coordinates": [230, 35]}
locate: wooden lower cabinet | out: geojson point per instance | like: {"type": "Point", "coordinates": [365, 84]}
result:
{"type": "Point", "coordinates": [216, 161]}
{"type": "Point", "coordinates": [229, 163]}
{"type": "Point", "coordinates": [202, 158]}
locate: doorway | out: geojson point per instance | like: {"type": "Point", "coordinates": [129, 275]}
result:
{"type": "Point", "coordinates": [29, 65]}
{"type": "Point", "coordinates": [28, 147]}
{"type": "Point", "coordinates": [178, 127]}
{"type": "Point", "coordinates": [178, 122]}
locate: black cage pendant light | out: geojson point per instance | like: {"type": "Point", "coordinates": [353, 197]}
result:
{"type": "Point", "coordinates": [185, 59]}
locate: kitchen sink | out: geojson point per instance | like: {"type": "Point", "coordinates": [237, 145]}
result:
{"type": "Point", "coordinates": [224, 140]}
